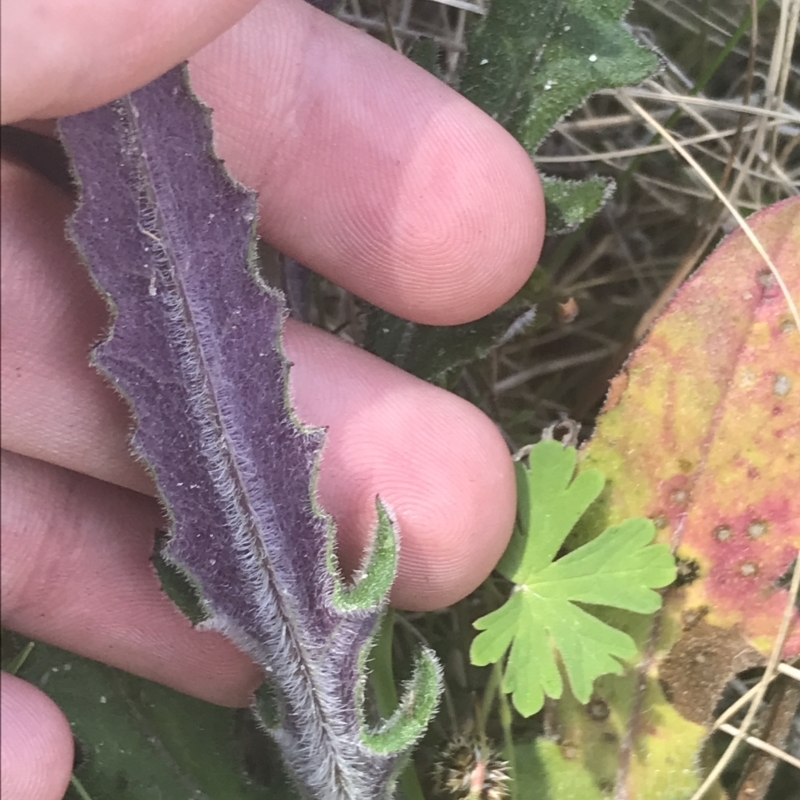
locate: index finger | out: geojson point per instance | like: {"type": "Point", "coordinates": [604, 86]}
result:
{"type": "Point", "coordinates": [369, 169]}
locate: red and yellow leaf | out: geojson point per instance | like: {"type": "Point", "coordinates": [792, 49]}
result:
{"type": "Point", "coordinates": [700, 433]}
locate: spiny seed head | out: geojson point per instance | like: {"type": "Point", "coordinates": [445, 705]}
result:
{"type": "Point", "coordinates": [469, 771]}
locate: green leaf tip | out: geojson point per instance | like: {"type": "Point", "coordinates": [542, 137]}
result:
{"type": "Point", "coordinates": [418, 704]}
{"type": "Point", "coordinates": [619, 569]}
{"type": "Point", "coordinates": [370, 586]}
{"type": "Point", "coordinates": [569, 203]}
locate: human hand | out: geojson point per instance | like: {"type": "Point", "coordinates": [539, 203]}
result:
{"type": "Point", "coordinates": [370, 172]}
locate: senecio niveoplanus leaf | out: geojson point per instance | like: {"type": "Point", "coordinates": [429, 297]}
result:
{"type": "Point", "coordinates": [195, 348]}
{"type": "Point", "coordinates": [620, 569]}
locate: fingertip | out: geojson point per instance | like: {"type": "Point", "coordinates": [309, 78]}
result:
{"type": "Point", "coordinates": [458, 521]}
{"type": "Point", "coordinates": [369, 169]}
{"type": "Point", "coordinates": [37, 744]}
{"type": "Point", "coordinates": [436, 460]}
{"type": "Point", "coordinates": [474, 236]}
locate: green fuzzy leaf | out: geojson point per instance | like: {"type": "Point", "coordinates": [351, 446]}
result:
{"type": "Point", "coordinates": [619, 569]}
{"type": "Point", "coordinates": [569, 203]}
{"type": "Point", "coordinates": [588, 51]}
{"type": "Point", "coordinates": [533, 61]}
{"type": "Point", "coordinates": [138, 740]}
{"type": "Point", "coordinates": [374, 579]}
{"type": "Point", "coordinates": [433, 352]}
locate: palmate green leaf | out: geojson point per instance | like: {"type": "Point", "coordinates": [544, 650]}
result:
{"type": "Point", "coordinates": [620, 569]}
{"type": "Point", "coordinates": [548, 496]}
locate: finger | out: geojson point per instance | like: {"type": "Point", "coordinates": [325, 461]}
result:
{"type": "Point", "coordinates": [76, 573]}
{"type": "Point", "coordinates": [370, 170]}
{"type": "Point", "coordinates": [51, 317]}
{"type": "Point", "coordinates": [60, 57]}
{"type": "Point", "coordinates": [36, 743]}
{"type": "Point", "coordinates": [433, 457]}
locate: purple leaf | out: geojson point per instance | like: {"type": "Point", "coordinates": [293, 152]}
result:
{"type": "Point", "coordinates": [195, 348]}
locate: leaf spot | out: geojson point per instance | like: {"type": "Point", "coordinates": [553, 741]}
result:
{"type": "Point", "coordinates": [593, 58]}
{"type": "Point", "coordinates": [767, 279]}
{"type": "Point", "coordinates": [722, 533]}
{"type": "Point", "coordinates": [782, 385]}
{"type": "Point", "coordinates": [749, 569]}
{"type": "Point", "coordinates": [747, 379]}
{"type": "Point", "coordinates": [679, 497]}
{"type": "Point", "coordinates": [570, 752]}
{"type": "Point", "coordinates": [597, 709]}
{"type": "Point", "coordinates": [693, 616]}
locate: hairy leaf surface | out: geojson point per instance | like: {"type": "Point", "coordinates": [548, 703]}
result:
{"type": "Point", "coordinates": [531, 62]}
{"type": "Point", "coordinates": [569, 203]}
{"type": "Point", "coordinates": [433, 352]}
{"type": "Point", "coordinates": [195, 349]}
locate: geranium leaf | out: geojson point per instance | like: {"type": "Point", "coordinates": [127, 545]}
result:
{"type": "Point", "coordinates": [550, 505]}
{"type": "Point", "coordinates": [620, 569]}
